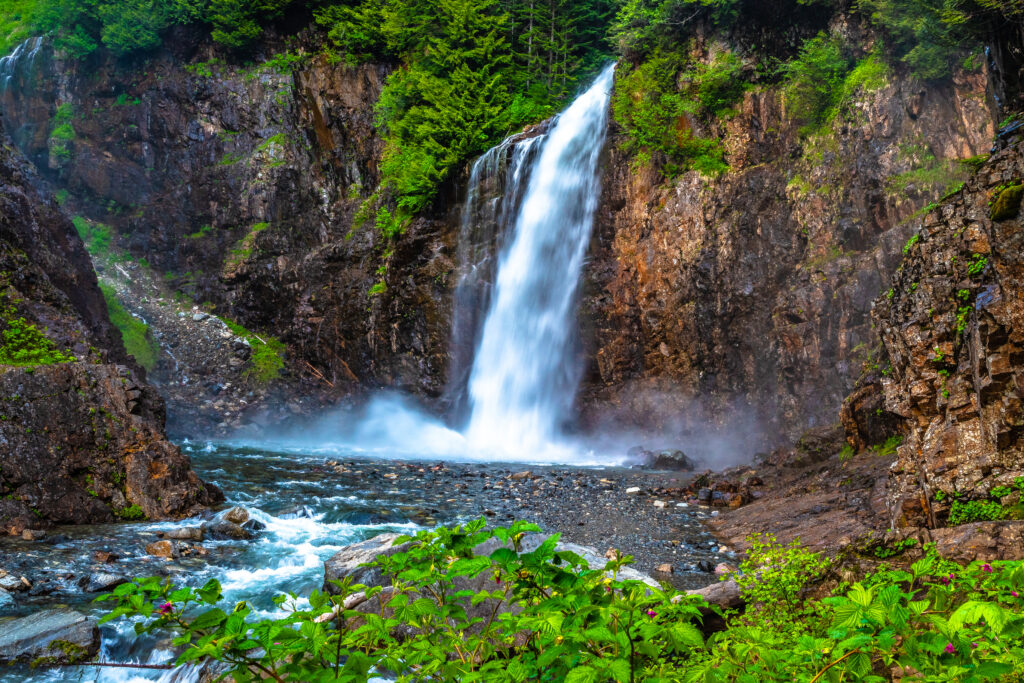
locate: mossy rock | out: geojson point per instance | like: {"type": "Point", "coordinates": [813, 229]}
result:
{"type": "Point", "coordinates": [1007, 204]}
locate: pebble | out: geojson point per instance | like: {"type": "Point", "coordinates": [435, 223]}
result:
{"type": "Point", "coordinates": [633, 489]}
{"type": "Point", "coordinates": [660, 504]}
{"type": "Point", "coordinates": [665, 568]}
{"type": "Point", "coordinates": [682, 505]}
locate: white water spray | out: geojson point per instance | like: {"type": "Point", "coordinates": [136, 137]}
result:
{"type": "Point", "coordinates": [526, 372]}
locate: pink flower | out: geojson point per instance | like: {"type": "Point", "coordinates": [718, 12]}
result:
{"type": "Point", "coordinates": [651, 613]}
{"type": "Point", "coordinates": [950, 649]}
{"type": "Point", "coordinates": [165, 609]}
{"type": "Point", "coordinates": [987, 567]}
{"type": "Point", "coordinates": [1014, 594]}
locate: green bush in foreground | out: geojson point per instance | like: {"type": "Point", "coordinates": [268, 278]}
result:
{"type": "Point", "coordinates": [937, 621]}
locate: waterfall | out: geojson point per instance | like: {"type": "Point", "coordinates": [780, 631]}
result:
{"type": "Point", "coordinates": [24, 55]}
{"type": "Point", "coordinates": [526, 370]}
{"type": "Point", "coordinates": [493, 194]}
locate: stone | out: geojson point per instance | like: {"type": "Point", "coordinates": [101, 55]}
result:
{"type": "Point", "coordinates": [184, 533]}
{"type": "Point", "coordinates": [6, 599]}
{"type": "Point", "coordinates": [672, 460]}
{"type": "Point", "coordinates": [33, 534]}
{"type": "Point", "coordinates": [237, 515]}
{"type": "Point", "coordinates": [633, 490]}
{"type": "Point", "coordinates": [105, 556]}
{"type": "Point", "coordinates": [223, 530]}
{"type": "Point", "coordinates": [725, 594]}
{"type": "Point", "coordinates": [13, 583]}
{"type": "Point", "coordinates": [724, 569]}
{"type": "Point", "coordinates": [664, 568]}
{"type": "Point", "coordinates": [103, 581]}
{"type": "Point", "coordinates": [519, 476]}
{"type": "Point", "coordinates": [165, 549]}
{"type": "Point", "coordinates": [660, 504]}
{"type": "Point", "coordinates": [62, 635]}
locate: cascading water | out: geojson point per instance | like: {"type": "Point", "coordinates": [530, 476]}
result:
{"type": "Point", "coordinates": [525, 372]}
{"type": "Point", "coordinates": [23, 56]}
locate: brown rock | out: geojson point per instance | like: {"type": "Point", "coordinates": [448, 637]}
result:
{"type": "Point", "coordinates": [164, 549]}
{"type": "Point", "coordinates": [665, 568]}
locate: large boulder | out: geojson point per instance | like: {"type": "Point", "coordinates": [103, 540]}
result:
{"type": "Point", "coordinates": [55, 635]}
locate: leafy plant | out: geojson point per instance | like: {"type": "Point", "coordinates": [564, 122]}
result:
{"type": "Point", "coordinates": [963, 512]}
{"type": "Point", "coordinates": [23, 344]}
{"type": "Point", "coordinates": [266, 361]}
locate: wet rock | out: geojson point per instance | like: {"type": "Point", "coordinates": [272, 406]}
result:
{"type": "Point", "coordinates": [237, 515]}
{"type": "Point", "coordinates": [6, 599]}
{"type": "Point", "coordinates": [519, 476]}
{"type": "Point", "coordinates": [223, 530]}
{"type": "Point", "coordinates": [184, 533]}
{"type": "Point", "coordinates": [165, 549]}
{"type": "Point", "coordinates": [102, 581]}
{"type": "Point", "coordinates": [33, 534]}
{"type": "Point", "coordinates": [13, 583]}
{"type": "Point", "coordinates": [672, 460]}
{"type": "Point", "coordinates": [664, 568]}
{"type": "Point", "coordinates": [105, 556]}
{"type": "Point", "coordinates": [58, 635]}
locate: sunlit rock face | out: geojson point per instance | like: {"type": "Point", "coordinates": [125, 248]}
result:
{"type": "Point", "coordinates": [953, 326]}
{"type": "Point", "coordinates": [744, 299]}
{"type": "Point", "coordinates": [78, 441]}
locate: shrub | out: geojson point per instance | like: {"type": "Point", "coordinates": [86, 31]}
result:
{"type": "Point", "coordinates": [813, 81]}
{"type": "Point", "coordinates": [564, 621]}
{"type": "Point", "coordinates": [23, 344]}
{"type": "Point", "coordinates": [963, 512]}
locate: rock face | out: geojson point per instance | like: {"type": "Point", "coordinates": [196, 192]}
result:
{"type": "Point", "coordinates": [953, 327]}
{"type": "Point", "coordinates": [84, 442]}
{"type": "Point", "coordinates": [56, 635]}
{"type": "Point", "coordinates": [78, 441]}
{"type": "Point", "coordinates": [746, 297]}
{"type": "Point", "coordinates": [243, 184]}
{"type": "Point", "coordinates": [706, 298]}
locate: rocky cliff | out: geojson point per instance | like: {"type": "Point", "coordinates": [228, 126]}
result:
{"type": "Point", "coordinates": [240, 185]}
{"type": "Point", "coordinates": [745, 298]}
{"type": "Point", "coordinates": [952, 326]}
{"type": "Point", "coordinates": [745, 295]}
{"type": "Point", "coordinates": [79, 441]}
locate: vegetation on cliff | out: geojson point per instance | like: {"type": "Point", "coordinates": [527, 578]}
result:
{"type": "Point", "coordinates": [548, 616]}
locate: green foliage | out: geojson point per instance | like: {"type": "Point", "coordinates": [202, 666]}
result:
{"type": "Point", "coordinates": [201, 232]}
{"type": "Point", "coordinates": [97, 238]}
{"type": "Point", "coordinates": [267, 359]}
{"type": "Point", "coordinates": [814, 80]}
{"type": "Point", "coordinates": [23, 344]}
{"type": "Point", "coordinates": [131, 513]}
{"type": "Point", "coordinates": [932, 37]}
{"type": "Point", "coordinates": [1007, 203]}
{"type": "Point", "coordinates": [138, 341]}
{"type": "Point", "coordinates": [17, 18]}
{"type": "Point", "coordinates": [963, 512]}
{"type": "Point", "coordinates": [914, 239]}
{"type": "Point", "coordinates": [471, 71]}
{"type": "Point", "coordinates": [889, 446]}
{"type": "Point", "coordinates": [655, 116]}
{"type": "Point", "coordinates": [563, 621]}
{"type": "Point", "coordinates": [977, 265]}
{"type": "Point", "coordinates": [772, 578]}
{"type": "Point", "coordinates": [583, 625]}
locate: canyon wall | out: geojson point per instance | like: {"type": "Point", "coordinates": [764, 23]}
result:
{"type": "Point", "coordinates": [79, 441]}
{"type": "Point", "coordinates": [706, 299]}
{"type": "Point", "coordinates": [745, 299]}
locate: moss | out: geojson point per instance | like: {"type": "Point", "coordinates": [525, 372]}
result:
{"type": "Point", "coordinates": [131, 513]}
{"type": "Point", "coordinates": [267, 359]}
{"type": "Point", "coordinates": [243, 250]}
{"type": "Point", "coordinates": [134, 333]}
{"type": "Point", "coordinates": [23, 344]}
{"type": "Point", "coordinates": [1007, 203]}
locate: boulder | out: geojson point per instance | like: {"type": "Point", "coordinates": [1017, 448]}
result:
{"type": "Point", "coordinates": [165, 549]}
{"type": "Point", "coordinates": [237, 515]}
{"type": "Point", "coordinates": [184, 533]}
{"type": "Point", "coordinates": [57, 635]}
{"type": "Point", "coordinates": [102, 582]}
{"type": "Point", "coordinates": [724, 594]}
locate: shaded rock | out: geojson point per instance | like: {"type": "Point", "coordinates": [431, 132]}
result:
{"type": "Point", "coordinates": [6, 599]}
{"type": "Point", "coordinates": [13, 583]}
{"type": "Point", "coordinates": [184, 533]}
{"type": "Point", "coordinates": [237, 515]}
{"type": "Point", "coordinates": [102, 581]}
{"type": "Point", "coordinates": [33, 534]}
{"type": "Point", "coordinates": [724, 594]}
{"type": "Point", "coordinates": [223, 530]}
{"type": "Point", "coordinates": [59, 635]}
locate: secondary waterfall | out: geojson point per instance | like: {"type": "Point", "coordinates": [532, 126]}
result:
{"type": "Point", "coordinates": [525, 372]}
